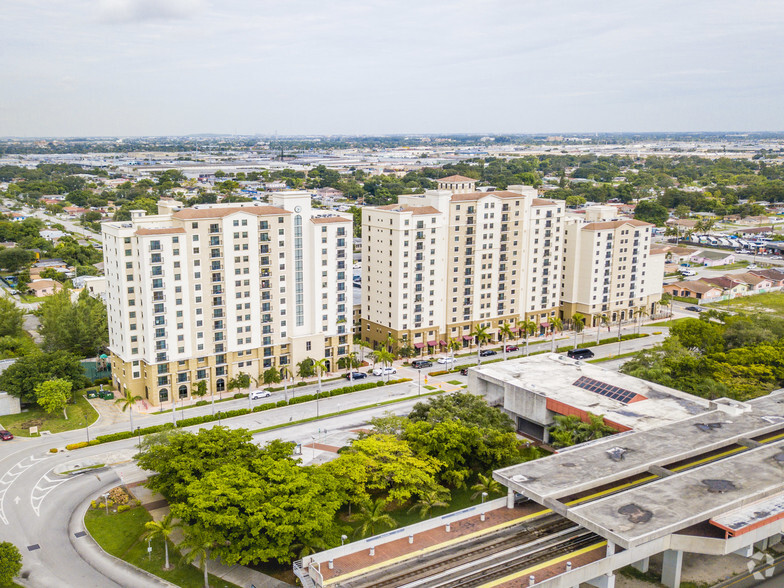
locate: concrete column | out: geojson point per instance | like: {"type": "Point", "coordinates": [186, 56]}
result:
{"type": "Point", "coordinates": [747, 551]}
{"type": "Point", "coordinates": [761, 545]}
{"type": "Point", "coordinates": [610, 548]}
{"type": "Point", "coordinates": [774, 539]}
{"type": "Point", "coordinates": [510, 498]}
{"type": "Point", "coordinates": [641, 565]}
{"type": "Point", "coordinates": [672, 565]}
{"type": "Point", "coordinates": [604, 581]}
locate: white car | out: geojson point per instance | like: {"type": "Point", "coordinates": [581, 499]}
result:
{"type": "Point", "coordinates": [384, 371]}
{"type": "Point", "coordinates": [446, 359]}
{"type": "Point", "coordinates": [752, 266]}
{"type": "Point", "coordinates": [259, 394]}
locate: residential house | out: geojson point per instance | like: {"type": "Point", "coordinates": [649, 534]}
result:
{"type": "Point", "coordinates": [757, 284]}
{"type": "Point", "coordinates": [44, 287]}
{"type": "Point", "coordinates": [696, 289]}
{"type": "Point", "coordinates": [775, 276]}
{"type": "Point", "coordinates": [729, 285]}
{"type": "Point", "coordinates": [713, 258]}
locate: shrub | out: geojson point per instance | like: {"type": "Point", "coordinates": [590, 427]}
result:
{"type": "Point", "coordinates": [239, 395]}
{"type": "Point", "coordinates": [123, 507]}
{"type": "Point", "coordinates": [201, 403]}
{"type": "Point", "coordinates": [280, 403]}
{"type": "Point", "coordinates": [101, 505]}
{"type": "Point", "coordinates": [93, 504]}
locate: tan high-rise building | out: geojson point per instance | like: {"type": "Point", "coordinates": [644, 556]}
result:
{"type": "Point", "coordinates": [608, 269]}
{"type": "Point", "coordinates": [439, 264]}
{"type": "Point", "coordinates": [207, 293]}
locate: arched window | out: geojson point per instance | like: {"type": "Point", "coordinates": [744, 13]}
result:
{"type": "Point", "coordinates": [220, 385]}
{"type": "Point", "coordinates": [183, 391]}
{"type": "Point", "coordinates": [163, 395]}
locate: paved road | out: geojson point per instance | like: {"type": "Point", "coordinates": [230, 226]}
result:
{"type": "Point", "coordinates": [68, 224]}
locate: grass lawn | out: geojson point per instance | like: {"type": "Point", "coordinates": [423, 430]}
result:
{"type": "Point", "coordinates": [770, 302]}
{"type": "Point", "coordinates": [120, 535]}
{"type": "Point", "coordinates": [455, 382]}
{"type": "Point", "coordinates": [429, 387]}
{"type": "Point", "coordinates": [80, 414]}
{"type": "Point", "coordinates": [731, 266]}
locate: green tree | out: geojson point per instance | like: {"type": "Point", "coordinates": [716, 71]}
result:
{"type": "Point", "coordinates": [504, 333]}
{"type": "Point", "coordinates": [462, 407]}
{"type": "Point", "coordinates": [527, 328]}
{"type": "Point", "coordinates": [480, 335]}
{"type": "Point", "coordinates": [270, 376]}
{"type": "Point", "coordinates": [240, 381]}
{"type": "Point", "coordinates": [21, 378]}
{"type": "Point", "coordinates": [385, 357]}
{"type": "Point", "coordinates": [485, 483]}
{"type": "Point", "coordinates": [429, 500]}
{"type": "Point", "coordinates": [197, 547]}
{"type": "Point", "coordinates": [305, 368]}
{"type": "Point", "coordinates": [578, 324]}
{"type": "Point", "coordinates": [604, 321]}
{"type": "Point", "coordinates": [126, 402]}
{"type": "Point", "coordinates": [200, 389]}
{"type": "Point", "coordinates": [11, 318]}
{"type": "Point", "coordinates": [10, 563]}
{"type": "Point", "coordinates": [80, 327]}
{"type": "Point", "coordinates": [372, 518]}
{"type": "Point", "coordinates": [556, 324]}
{"type": "Point", "coordinates": [54, 395]}
{"type": "Point", "coordinates": [15, 259]}
{"type": "Point", "coordinates": [651, 212]}
{"type": "Point", "coordinates": [162, 529]}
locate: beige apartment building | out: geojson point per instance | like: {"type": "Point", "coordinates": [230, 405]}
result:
{"type": "Point", "coordinates": [608, 267]}
{"type": "Point", "coordinates": [437, 265]}
{"type": "Point", "coordinates": [207, 293]}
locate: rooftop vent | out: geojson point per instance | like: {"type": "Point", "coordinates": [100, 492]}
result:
{"type": "Point", "coordinates": [520, 478]}
{"type": "Point", "coordinates": [617, 453]}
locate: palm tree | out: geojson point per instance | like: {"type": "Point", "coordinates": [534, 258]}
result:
{"type": "Point", "coordinates": [128, 400]}
{"type": "Point", "coordinates": [640, 312]}
{"type": "Point", "coordinates": [504, 332]}
{"type": "Point", "coordinates": [308, 546]}
{"type": "Point", "coordinates": [362, 345]}
{"type": "Point", "coordinates": [452, 346]}
{"type": "Point", "coordinates": [429, 500]}
{"type": "Point", "coordinates": [485, 484]}
{"type": "Point", "coordinates": [578, 323]}
{"type": "Point", "coordinates": [198, 550]}
{"type": "Point", "coordinates": [481, 335]}
{"type": "Point", "coordinates": [528, 328]}
{"type": "Point", "coordinates": [319, 367]}
{"type": "Point", "coordinates": [556, 324]}
{"type": "Point", "coordinates": [386, 358]}
{"type": "Point", "coordinates": [604, 321]}
{"type": "Point", "coordinates": [285, 374]}
{"type": "Point", "coordinates": [372, 517]}
{"type": "Point", "coordinates": [163, 529]}
{"type": "Point", "coordinates": [666, 300]}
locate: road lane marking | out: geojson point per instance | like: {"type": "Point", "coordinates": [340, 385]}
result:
{"type": "Point", "coordinates": [11, 476]}
{"type": "Point", "coordinates": [44, 490]}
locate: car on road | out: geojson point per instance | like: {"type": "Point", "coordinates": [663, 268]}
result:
{"type": "Point", "coordinates": [355, 375]}
{"type": "Point", "coordinates": [384, 371]}
{"type": "Point", "coordinates": [580, 353]}
{"type": "Point", "coordinates": [6, 435]}
{"type": "Point", "coordinates": [446, 359]}
{"type": "Point", "coordinates": [752, 266]}
{"type": "Point", "coordinates": [688, 272]}
{"type": "Point", "coordinates": [464, 372]}
{"type": "Point", "coordinates": [418, 364]}
{"type": "Point", "coordinates": [259, 394]}
{"type": "Point", "coordinates": [512, 348]}
{"type": "Point", "coordinates": [486, 352]}
{"type": "Point", "coordinates": [694, 308]}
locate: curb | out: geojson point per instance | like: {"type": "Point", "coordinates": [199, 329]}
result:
{"type": "Point", "coordinates": [92, 553]}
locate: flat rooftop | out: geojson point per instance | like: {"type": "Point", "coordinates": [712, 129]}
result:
{"type": "Point", "coordinates": [672, 500]}
{"type": "Point", "coordinates": [670, 504]}
{"type": "Point", "coordinates": [621, 456]}
{"type": "Point", "coordinates": [626, 400]}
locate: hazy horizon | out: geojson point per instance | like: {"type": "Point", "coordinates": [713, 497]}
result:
{"type": "Point", "coordinates": [135, 68]}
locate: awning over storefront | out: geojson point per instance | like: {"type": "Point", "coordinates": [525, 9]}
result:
{"type": "Point", "coordinates": [419, 345]}
{"type": "Point", "coordinates": [545, 325]}
{"type": "Point", "coordinates": [442, 342]}
{"type": "Point", "coordinates": [432, 343]}
{"type": "Point", "coordinates": [467, 337]}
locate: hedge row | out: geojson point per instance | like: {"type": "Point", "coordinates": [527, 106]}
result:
{"type": "Point", "coordinates": [199, 420]}
{"type": "Point", "coordinates": [604, 341]}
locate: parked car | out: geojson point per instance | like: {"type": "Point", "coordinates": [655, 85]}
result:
{"type": "Point", "coordinates": [446, 360]}
{"type": "Point", "coordinates": [464, 372]}
{"type": "Point", "coordinates": [688, 272]}
{"type": "Point", "coordinates": [355, 375]}
{"type": "Point", "coordinates": [511, 348]}
{"type": "Point", "coordinates": [580, 353]}
{"type": "Point", "coordinates": [486, 352]}
{"type": "Point", "coordinates": [421, 363]}
{"type": "Point", "coordinates": [6, 435]}
{"type": "Point", "coordinates": [384, 371]}
{"type": "Point", "coordinates": [752, 266]}
{"type": "Point", "coordinates": [694, 308]}
{"type": "Point", "coordinates": [259, 394]}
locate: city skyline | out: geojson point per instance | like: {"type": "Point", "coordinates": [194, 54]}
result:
{"type": "Point", "coordinates": [178, 67]}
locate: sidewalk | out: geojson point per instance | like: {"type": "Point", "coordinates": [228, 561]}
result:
{"type": "Point", "coordinates": [158, 508]}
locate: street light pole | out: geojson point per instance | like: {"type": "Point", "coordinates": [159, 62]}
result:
{"type": "Point", "coordinates": [106, 502]}
{"type": "Point", "coordinates": [419, 374]}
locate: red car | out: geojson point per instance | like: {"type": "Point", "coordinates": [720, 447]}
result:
{"type": "Point", "coordinates": [6, 435]}
{"type": "Point", "coordinates": [512, 348]}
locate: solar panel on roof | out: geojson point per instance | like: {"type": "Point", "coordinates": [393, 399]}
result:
{"type": "Point", "coordinates": [608, 390]}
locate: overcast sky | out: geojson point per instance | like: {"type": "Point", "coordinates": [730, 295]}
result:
{"type": "Point", "coordinates": [157, 67]}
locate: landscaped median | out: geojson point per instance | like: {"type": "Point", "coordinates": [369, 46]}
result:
{"type": "Point", "coordinates": [189, 422]}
